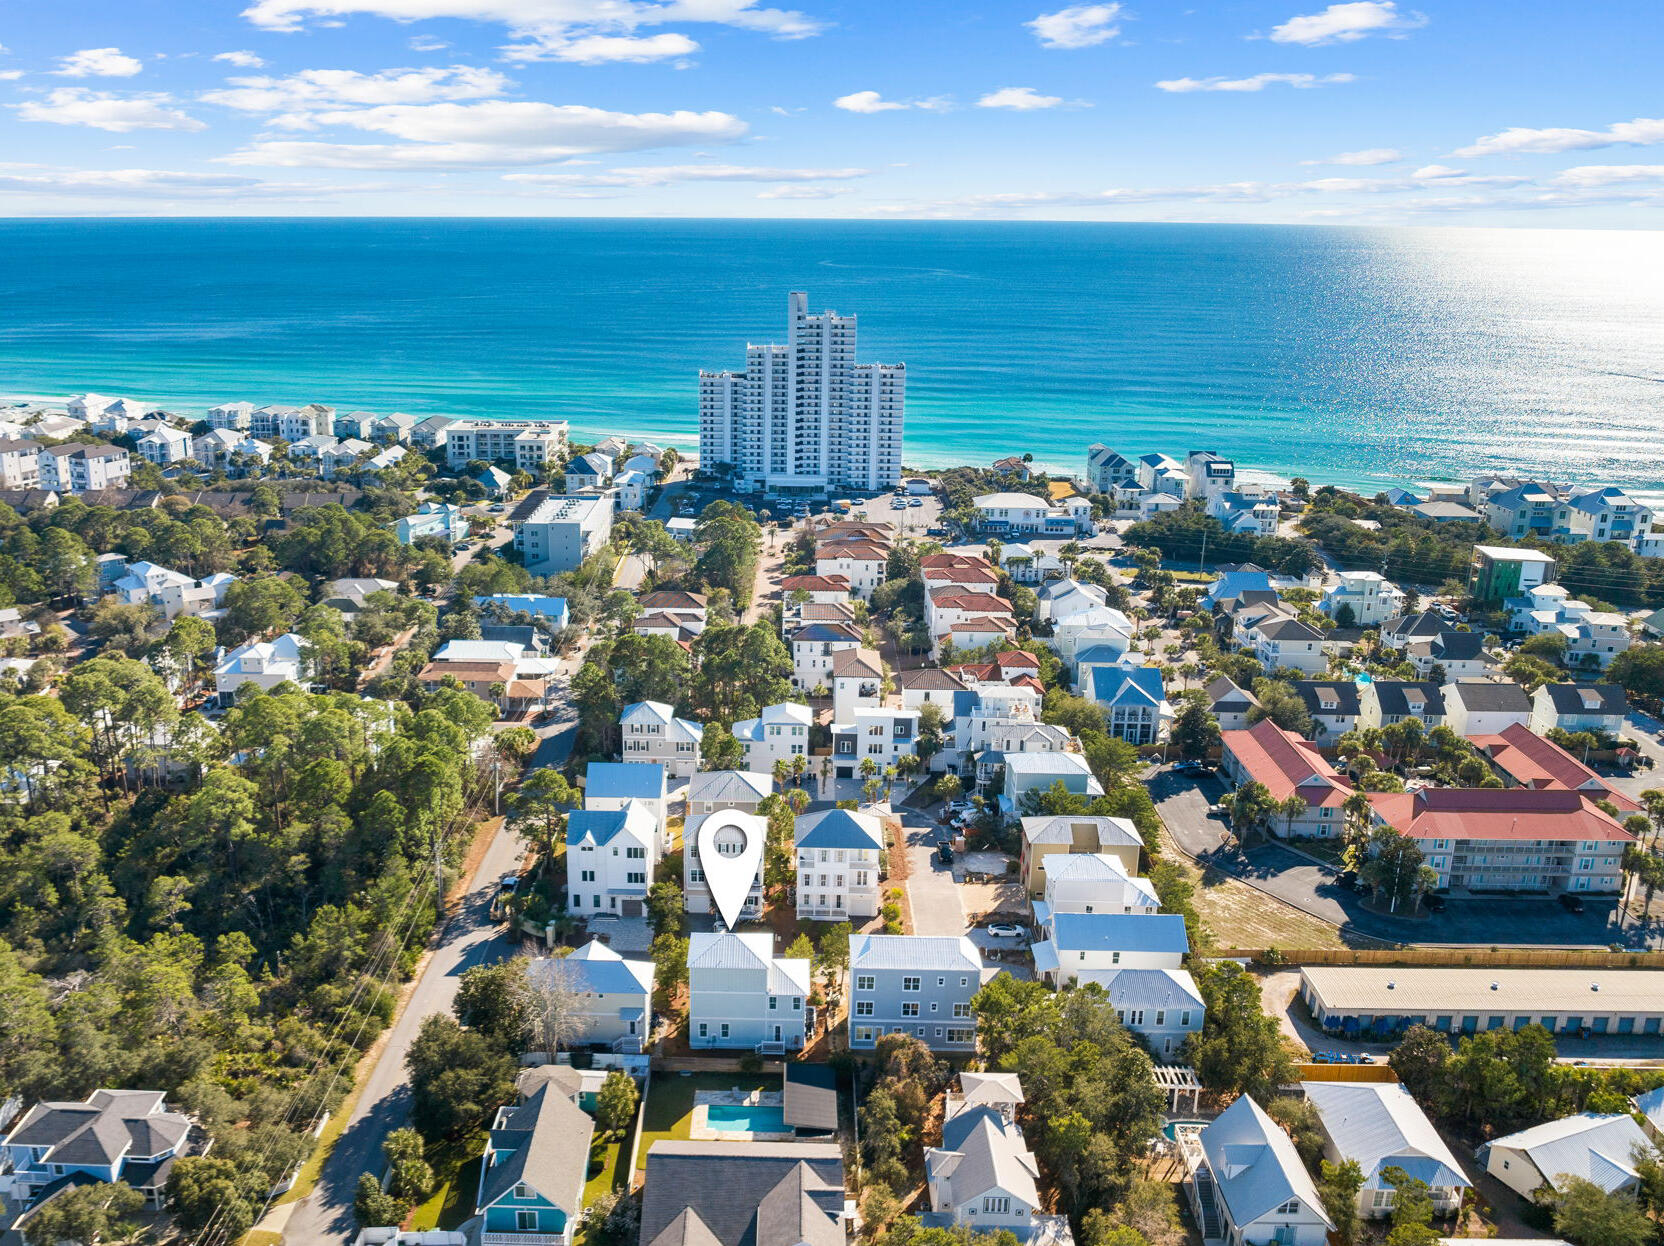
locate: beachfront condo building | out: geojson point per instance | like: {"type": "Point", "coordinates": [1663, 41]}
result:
{"type": "Point", "coordinates": [528, 444]}
{"type": "Point", "coordinates": [804, 417]}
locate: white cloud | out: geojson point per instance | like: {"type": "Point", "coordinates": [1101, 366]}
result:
{"type": "Point", "coordinates": [427, 43]}
{"type": "Point", "coordinates": [1019, 99]}
{"type": "Point", "coordinates": [98, 63]}
{"type": "Point", "coordinates": [1345, 23]}
{"type": "Point", "coordinates": [803, 192]}
{"type": "Point", "coordinates": [1258, 82]}
{"type": "Point", "coordinates": [10, 75]}
{"type": "Point", "coordinates": [665, 175]}
{"type": "Point", "coordinates": [1588, 176]}
{"type": "Point", "coordinates": [1641, 132]}
{"type": "Point", "coordinates": [242, 60]}
{"type": "Point", "coordinates": [103, 111]}
{"type": "Point", "coordinates": [154, 183]}
{"type": "Point", "coordinates": [867, 101]}
{"type": "Point", "coordinates": [606, 49]}
{"type": "Point", "coordinates": [1368, 156]}
{"type": "Point", "coordinates": [1078, 26]}
{"type": "Point", "coordinates": [542, 27]}
{"type": "Point", "coordinates": [326, 88]}
{"type": "Point", "coordinates": [495, 132]}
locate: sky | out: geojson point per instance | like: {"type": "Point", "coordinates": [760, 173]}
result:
{"type": "Point", "coordinates": [1374, 112]}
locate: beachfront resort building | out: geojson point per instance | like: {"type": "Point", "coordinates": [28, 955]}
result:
{"type": "Point", "coordinates": [804, 417]}
{"type": "Point", "coordinates": [562, 530]}
{"type": "Point", "coordinates": [528, 444]}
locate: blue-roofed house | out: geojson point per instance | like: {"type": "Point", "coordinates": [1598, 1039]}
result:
{"type": "Point", "coordinates": [1132, 695]}
{"type": "Point", "coordinates": [1037, 771]}
{"type": "Point", "coordinates": [1235, 581]}
{"type": "Point", "coordinates": [610, 784]}
{"type": "Point", "coordinates": [1164, 1005]}
{"type": "Point", "coordinates": [551, 612]}
{"type": "Point", "coordinates": [1247, 1184]}
{"type": "Point", "coordinates": [610, 856]}
{"type": "Point", "coordinates": [615, 996]}
{"type": "Point", "coordinates": [914, 984]}
{"type": "Point", "coordinates": [1075, 944]}
{"type": "Point", "coordinates": [837, 854]}
{"type": "Point", "coordinates": [533, 1170]}
{"type": "Point", "coordinates": [1379, 1125]}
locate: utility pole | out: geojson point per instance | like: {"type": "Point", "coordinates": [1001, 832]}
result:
{"type": "Point", "coordinates": [1203, 556]}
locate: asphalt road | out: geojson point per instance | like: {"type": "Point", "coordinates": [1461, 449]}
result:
{"type": "Point", "coordinates": [471, 938]}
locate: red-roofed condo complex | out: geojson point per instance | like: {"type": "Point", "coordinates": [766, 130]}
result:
{"type": "Point", "coordinates": [1287, 764]}
{"type": "Point", "coordinates": [1509, 839]}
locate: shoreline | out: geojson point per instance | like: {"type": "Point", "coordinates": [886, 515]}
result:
{"type": "Point", "coordinates": [938, 461]}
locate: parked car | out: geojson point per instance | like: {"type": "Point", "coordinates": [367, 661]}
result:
{"type": "Point", "coordinates": [508, 884]}
{"type": "Point", "coordinates": [1347, 879]}
{"type": "Point", "coordinates": [944, 854]}
{"type": "Point", "coordinates": [1571, 903]}
{"type": "Point", "coordinates": [1434, 902]}
{"type": "Point", "coordinates": [1004, 930]}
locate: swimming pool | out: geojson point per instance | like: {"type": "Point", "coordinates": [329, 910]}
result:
{"type": "Point", "coordinates": [1171, 1127]}
{"type": "Point", "coordinates": [746, 1118]}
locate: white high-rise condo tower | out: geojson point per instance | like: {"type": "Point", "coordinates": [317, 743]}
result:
{"type": "Point", "coordinates": [805, 417]}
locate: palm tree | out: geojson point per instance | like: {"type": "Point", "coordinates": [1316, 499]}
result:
{"type": "Point", "coordinates": [1291, 807]}
{"type": "Point", "coordinates": [782, 771]}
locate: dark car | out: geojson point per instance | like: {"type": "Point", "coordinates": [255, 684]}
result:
{"type": "Point", "coordinates": [1434, 903]}
{"type": "Point", "coordinates": [1347, 879]}
{"type": "Point", "coordinates": [944, 854]}
{"type": "Point", "coordinates": [1571, 903]}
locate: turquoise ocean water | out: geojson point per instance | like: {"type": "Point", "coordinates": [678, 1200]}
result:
{"type": "Point", "coordinates": [1358, 356]}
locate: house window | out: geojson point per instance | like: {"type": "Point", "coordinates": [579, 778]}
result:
{"type": "Point", "coordinates": [909, 984]}
{"type": "Point", "coordinates": [724, 1029]}
{"type": "Point", "coordinates": [863, 1007]}
{"type": "Point", "coordinates": [996, 1205]}
{"type": "Point", "coordinates": [704, 1030]}
{"type": "Point", "coordinates": [910, 1009]}
{"type": "Point", "coordinates": [525, 1221]}
{"type": "Point", "coordinates": [773, 1002]}
{"type": "Point", "coordinates": [961, 1010]}
{"type": "Point", "coordinates": [522, 1190]}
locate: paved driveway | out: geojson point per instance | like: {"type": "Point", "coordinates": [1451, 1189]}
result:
{"type": "Point", "coordinates": [1300, 881]}
{"type": "Point", "coordinates": [930, 888]}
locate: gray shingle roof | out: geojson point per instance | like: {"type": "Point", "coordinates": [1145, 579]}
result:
{"type": "Point", "coordinates": [550, 1135]}
{"type": "Point", "coordinates": [1587, 698]}
{"type": "Point", "coordinates": [724, 1185]}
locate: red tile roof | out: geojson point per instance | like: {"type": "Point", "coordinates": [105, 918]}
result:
{"type": "Point", "coordinates": [1018, 657]}
{"type": "Point", "coordinates": [855, 551]}
{"type": "Point", "coordinates": [988, 603]}
{"type": "Point", "coordinates": [815, 583]}
{"type": "Point", "coordinates": [1286, 764]}
{"type": "Point", "coordinates": [1498, 813]}
{"type": "Point", "coordinates": [1532, 761]}
{"type": "Point", "coordinates": [932, 562]}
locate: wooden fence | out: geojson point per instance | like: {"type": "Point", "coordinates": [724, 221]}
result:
{"type": "Point", "coordinates": [1345, 1073]}
{"type": "Point", "coordinates": [1451, 957]}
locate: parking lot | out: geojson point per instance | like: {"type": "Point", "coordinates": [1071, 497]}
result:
{"type": "Point", "coordinates": [1299, 880]}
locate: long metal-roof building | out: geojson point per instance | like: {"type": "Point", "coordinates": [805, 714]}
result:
{"type": "Point", "coordinates": [1385, 1000]}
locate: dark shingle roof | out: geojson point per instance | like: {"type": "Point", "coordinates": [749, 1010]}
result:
{"type": "Point", "coordinates": [550, 1135]}
{"type": "Point", "coordinates": [1490, 696]}
{"type": "Point", "coordinates": [1407, 697]}
{"type": "Point", "coordinates": [1328, 696]}
{"type": "Point", "coordinates": [724, 1184]}
{"type": "Point", "coordinates": [1587, 698]}
{"type": "Point", "coordinates": [811, 1096]}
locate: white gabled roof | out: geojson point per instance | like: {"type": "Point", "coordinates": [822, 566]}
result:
{"type": "Point", "coordinates": [1594, 1147]}
{"type": "Point", "coordinates": [1255, 1164]}
{"type": "Point", "coordinates": [1379, 1125]}
{"type": "Point", "coordinates": [937, 952]}
{"type": "Point", "coordinates": [786, 975]}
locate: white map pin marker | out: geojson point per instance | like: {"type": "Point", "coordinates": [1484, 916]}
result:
{"type": "Point", "coordinates": [729, 874]}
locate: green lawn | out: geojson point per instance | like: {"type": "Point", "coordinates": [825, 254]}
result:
{"type": "Point", "coordinates": [669, 1109]}
{"type": "Point", "coordinates": [456, 1178]}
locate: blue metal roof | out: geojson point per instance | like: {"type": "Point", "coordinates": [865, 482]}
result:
{"type": "Point", "coordinates": [624, 780]}
{"type": "Point", "coordinates": [1120, 932]}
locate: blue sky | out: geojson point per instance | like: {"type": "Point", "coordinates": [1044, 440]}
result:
{"type": "Point", "coordinates": [1452, 112]}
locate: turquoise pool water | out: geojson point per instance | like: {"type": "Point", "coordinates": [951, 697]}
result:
{"type": "Point", "coordinates": [1168, 1130]}
{"type": "Point", "coordinates": [742, 1118]}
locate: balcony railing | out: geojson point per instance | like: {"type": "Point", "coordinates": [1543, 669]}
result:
{"type": "Point", "coordinates": [525, 1239]}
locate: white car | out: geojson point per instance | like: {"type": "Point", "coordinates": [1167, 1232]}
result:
{"type": "Point", "coordinates": [1003, 930]}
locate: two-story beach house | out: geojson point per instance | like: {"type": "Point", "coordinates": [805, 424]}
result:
{"type": "Point", "coordinates": [838, 854]}
{"type": "Point", "coordinates": [741, 995]}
